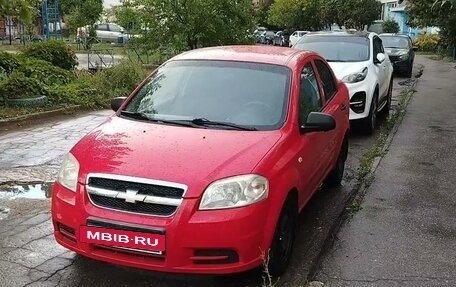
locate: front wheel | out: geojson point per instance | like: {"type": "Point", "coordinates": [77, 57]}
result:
{"type": "Point", "coordinates": [409, 72]}
{"type": "Point", "coordinates": [284, 236]}
{"type": "Point", "coordinates": [334, 179]}
{"type": "Point", "coordinates": [369, 123]}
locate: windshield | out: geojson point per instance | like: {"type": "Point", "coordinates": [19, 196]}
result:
{"type": "Point", "coordinates": [248, 94]}
{"type": "Point", "coordinates": [395, 42]}
{"type": "Point", "coordinates": [337, 48]}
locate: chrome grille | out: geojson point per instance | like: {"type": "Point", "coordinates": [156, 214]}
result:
{"type": "Point", "coordinates": [135, 195]}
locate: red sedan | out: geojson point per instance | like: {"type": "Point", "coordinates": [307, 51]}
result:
{"type": "Point", "coordinates": [205, 167]}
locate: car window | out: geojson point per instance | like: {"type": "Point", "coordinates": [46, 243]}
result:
{"type": "Point", "coordinates": [115, 28]}
{"type": "Point", "coordinates": [327, 78]}
{"type": "Point", "coordinates": [309, 94]}
{"type": "Point", "coordinates": [242, 93]}
{"type": "Point", "coordinates": [102, 27]}
{"type": "Point", "coordinates": [378, 46]}
{"type": "Point", "coordinates": [335, 48]}
{"type": "Point", "coordinates": [395, 42]}
{"type": "Point", "coordinates": [294, 34]}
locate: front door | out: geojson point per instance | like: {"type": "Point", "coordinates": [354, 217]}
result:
{"type": "Point", "coordinates": [313, 145]}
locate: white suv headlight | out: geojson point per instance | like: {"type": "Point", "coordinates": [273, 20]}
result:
{"type": "Point", "coordinates": [235, 192]}
{"type": "Point", "coordinates": [356, 77]}
{"type": "Point", "coordinates": [69, 171]}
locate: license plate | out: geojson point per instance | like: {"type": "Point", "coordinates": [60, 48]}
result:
{"type": "Point", "coordinates": [121, 238]}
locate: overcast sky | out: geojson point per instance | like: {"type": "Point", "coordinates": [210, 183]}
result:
{"type": "Point", "coordinates": [108, 3]}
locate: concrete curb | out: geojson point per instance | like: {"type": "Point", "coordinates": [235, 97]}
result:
{"type": "Point", "coordinates": [356, 194]}
{"type": "Point", "coordinates": [40, 115]}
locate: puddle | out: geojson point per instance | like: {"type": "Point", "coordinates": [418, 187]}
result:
{"type": "Point", "coordinates": [28, 191]}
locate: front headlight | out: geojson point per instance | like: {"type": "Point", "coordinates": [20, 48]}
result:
{"type": "Point", "coordinates": [69, 171]}
{"type": "Point", "coordinates": [235, 192]}
{"type": "Point", "coordinates": [404, 56]}
{"type": "Point", "coordinates": [356, 77]}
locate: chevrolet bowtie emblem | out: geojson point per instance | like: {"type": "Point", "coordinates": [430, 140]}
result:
{"type": "Point", "coordinates": [132, 197]}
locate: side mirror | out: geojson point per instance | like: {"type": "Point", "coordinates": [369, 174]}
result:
{"type": "Point", "coordinates": [116, 103]}
{"type": "Point", "coordinates": [318, 122]}
{"type": "Point", "coordinates": [381, 58]}
{"type": "Point", "coordinates": [415, 48]}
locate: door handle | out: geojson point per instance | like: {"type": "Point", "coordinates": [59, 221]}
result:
{"type": "Point", "coordinates": [343, 107]}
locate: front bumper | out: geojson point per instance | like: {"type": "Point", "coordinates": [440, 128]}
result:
{"type": "Point", "coordinates": [360, 92]}
{"type": "Point", "coordinates": [400, 64]}
{"type": "Point", "coordinates": [189, 234]}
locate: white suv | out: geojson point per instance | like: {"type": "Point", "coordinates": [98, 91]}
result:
{"type": "Point", "coordinates": [359, 60]}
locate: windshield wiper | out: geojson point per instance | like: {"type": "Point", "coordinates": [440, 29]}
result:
{"type": "Point", "coordinates": [206, 122]}
{"type": "Point", "coordinates": [145, 117]}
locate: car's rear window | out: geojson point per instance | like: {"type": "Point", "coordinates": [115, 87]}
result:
{"type": "Point", "coordinates": [395, 42]}
{"type": "Point", "coordinates": [250, 94]}
{"type": "Point", "coordinates": [337, 48]}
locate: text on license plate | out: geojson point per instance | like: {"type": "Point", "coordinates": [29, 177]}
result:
{"type": "Point", "coordinates": [122, 238]}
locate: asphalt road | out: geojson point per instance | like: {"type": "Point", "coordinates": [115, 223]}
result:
{"type": "Point", "coordinates": [405, 233]}
{"type": "Point", "coordinates": [30, 257]}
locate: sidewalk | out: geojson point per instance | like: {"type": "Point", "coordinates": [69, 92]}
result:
{"type": "Point", "coordinates": [405, 233]}
{"type": "Point", "coordinates": [35, 153]}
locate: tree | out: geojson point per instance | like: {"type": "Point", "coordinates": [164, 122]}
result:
{"type": "Point", "coordinates": [390, 26]}
{"type": "Point", "coordinates": [81, 13]}
{"type": "Point", "coordinates": [297, 14]}
{"type": "Point", "coordinates": [190, 24]}
{"type": "Point", "coordinates": [318, 14]}
{"type": "Point", "coordinates": [23, 10]}
{"type": "Point", "coordinates": [352, 13]}
{"type": "Point", "coordinates": [129, 17]}
{"type": "Point", "coordinates": [439, 13]}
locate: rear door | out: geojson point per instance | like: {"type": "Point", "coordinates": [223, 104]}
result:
{"type": "Point", "coordinates": [102, 32]}
{"type": "Point", "coordinates": [335, 105]}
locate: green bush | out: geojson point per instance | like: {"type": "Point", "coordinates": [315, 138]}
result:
{"type": "Point", "coordinates": [44, 72]}
{"type": "Point", "coordinates": [17, 86]}
{"type": "Point", "coordinates": [427, 42]}
{"type": "Point", "coordinates": [77, 93]}
{"type": "Point", "coordinates": [8, 62]}
{"type": "Point", "coordinates": [390, 26]}
{"type": "Point", "coordinates": [55, 52]}
{"type": "Point", "coordinates": [121, 79]}
{"type": "Point", "coordinates": [96, 91]}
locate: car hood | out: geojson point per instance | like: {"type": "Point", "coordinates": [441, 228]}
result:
{"type": "Point", "coordinates": [191, 156]}
{"type": "Point", "coordinates": [396, 51]}
{"type": "Point", "coordinates": [342, 69]}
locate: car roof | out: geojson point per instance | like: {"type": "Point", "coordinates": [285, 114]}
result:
{"type": "Point", "coordinates": [341, 33]}
{"type": "Point", "coordinates": [253, 53]}
{"type": "Point", "coordinates": [394, 35]}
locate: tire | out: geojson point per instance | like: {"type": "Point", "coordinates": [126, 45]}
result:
{"type": "Point", "coordinates": [409, 72]}
{"type": "Point", "coordinates": [284, 236]}
{"type": "Point", "coordinates": [28, 102]}
{"type": "Point", "coordinates": [334, 179]}
{"type": "Point", "coordinates": [369, 123]}
{"type": "Point", "coordinates": [387, 108]}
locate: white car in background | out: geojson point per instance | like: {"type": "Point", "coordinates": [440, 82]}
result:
{"type": "Point", "coordinates": [107, 32]}
{"type": "Point", "coordinates": [359, 60]}
{"type": "Point", "coordinates": [294, 38]}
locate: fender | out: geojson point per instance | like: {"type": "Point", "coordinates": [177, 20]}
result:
{"type": "Point", "coordinates": [287, 182]}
